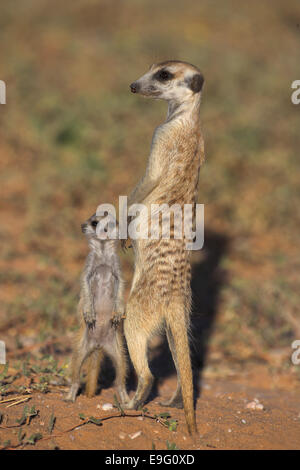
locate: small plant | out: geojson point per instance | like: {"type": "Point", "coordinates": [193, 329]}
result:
{"type": "Point", "coordinates": [27, 415]}
{"type": "Point", "coordinates": [51, 423]}
{"type": "Point", "coordinates": [163, 418]}
{"type": "Point", "coordinates": [118, 405]}
{"type": "Point", "coordinates": [3, 374]}
{"type": "Point", "coordinates": [21, 435]}
{"type": "Point", "coordinates": [171, 446]}
{"type": "Point", "coordinates": [34, 438]}
{"type": "Point", "coordinates": [91, 419]}
{"type": "Point", "coordinates": [172, 425]}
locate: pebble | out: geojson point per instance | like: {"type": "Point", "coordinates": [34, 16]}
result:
{"type": "Point", "coordinates": [135, 435]}
{"type": "Point", "coordinates": [122, 435]}
{"type": "Point", "coordinates": [107, 406]}
{"type": "Point", "coordinates": [255, 405]}
{"type": "Point", "coordinates": [244, 421]}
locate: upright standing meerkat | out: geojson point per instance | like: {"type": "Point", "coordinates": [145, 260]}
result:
{"type": "Point", "coordinates": [160, 297]}
{"type": "Point", "coordinates": [101, 308]}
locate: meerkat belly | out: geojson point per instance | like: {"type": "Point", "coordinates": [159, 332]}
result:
{"type": "Point", "coordinates": [103, 286]}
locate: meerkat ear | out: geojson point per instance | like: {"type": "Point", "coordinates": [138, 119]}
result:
{"type": "Point", "coordinates": [196, 82]}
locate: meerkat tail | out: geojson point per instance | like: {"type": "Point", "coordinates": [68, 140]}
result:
{"type": "Point", "coordinates": [177, 324]}
{"type": "Point", "coordinates": [94, 364]}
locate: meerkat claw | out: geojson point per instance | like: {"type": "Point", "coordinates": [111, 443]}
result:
{"type": "Point", "coordinates": [116, 319]}
{"type": "Point", "coordinates": [90, 324]}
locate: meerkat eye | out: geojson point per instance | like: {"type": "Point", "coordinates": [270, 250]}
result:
{"type": "Point", "coordinates": [163, 75]}
{"type": "Point", "coordinates": [94, 223]}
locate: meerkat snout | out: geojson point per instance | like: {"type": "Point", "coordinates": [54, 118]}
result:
{"type": "Point", "coordinates": [134, 87]}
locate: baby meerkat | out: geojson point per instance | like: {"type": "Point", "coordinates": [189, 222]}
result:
{"type": "Point", "coordinates": [101, 308]}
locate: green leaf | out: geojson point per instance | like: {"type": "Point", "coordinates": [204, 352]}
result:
{"type": "Point", "coordinates": [27, 413]}
{"type": "Point", "coordinates": [51, 423]}
{"type": "Point", "coordinates": [21, 435]}
{"type": "Point", "coordinates": [22, 420]}
{"type": "Point", "coordinates": [96, 421]}
{"type": "Point", "coordinates": [172, 425]}
{"type": "Point", "coordinates": [4, 372]}
{"type": "Point", "coordinates": [34, 438]}
{"type": "Point", "coordinates": [171, 446]}
{"type": "Point", "coordinates": [164, 415]}
{"type": "Point", "coordinates": [118, 405]}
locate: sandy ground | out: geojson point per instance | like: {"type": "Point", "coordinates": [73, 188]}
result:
{"type": "Point", "coordinates": [224, 421]}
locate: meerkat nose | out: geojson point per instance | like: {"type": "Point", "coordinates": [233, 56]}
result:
{"type": "Point", "coordinates": [134, 87]}
{"type": "Point", "coordinates": [83, 227]}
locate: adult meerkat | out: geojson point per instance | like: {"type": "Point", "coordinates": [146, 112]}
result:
{"type": "Point", "coordinates": [160, 297]}
{"type": "Point", "coordinates": [101, 308]}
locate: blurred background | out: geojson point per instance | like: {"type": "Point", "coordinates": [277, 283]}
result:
{"type": "Point", "coordinates": [72, 136]}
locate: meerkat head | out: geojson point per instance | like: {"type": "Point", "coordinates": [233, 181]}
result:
{"type": "Point", "coordinates": [171, 80]}
{"type": "Point", "coordinates": [99, 227]}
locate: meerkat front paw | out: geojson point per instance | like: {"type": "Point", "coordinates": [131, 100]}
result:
{"type": "Point", "coordinates": [117, 317]}
{"type": "Point", "coordinates": [89, 317]}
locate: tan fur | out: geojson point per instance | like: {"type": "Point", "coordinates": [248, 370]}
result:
{"type": "Point", "coordinates": [160, 297]}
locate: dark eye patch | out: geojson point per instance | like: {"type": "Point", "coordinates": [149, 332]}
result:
{"type": "Point", "coordinates": [94, 223]}
{"type": "Point", "coordinates": [163, 75]}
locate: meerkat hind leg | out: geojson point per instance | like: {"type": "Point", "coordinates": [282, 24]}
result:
{"type": "Point", "coordinates": [80, 354]}
{"type": "Point", "coordinates": [176, 400]}
{"type": "Point", "coordinates": [117, 355]}
{"type": "Point", "coordinates": [137, 346]}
